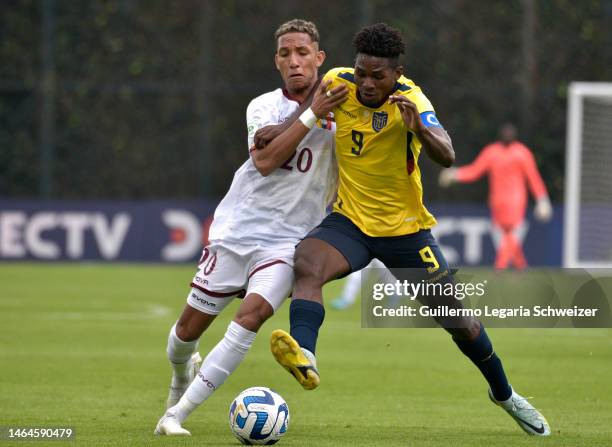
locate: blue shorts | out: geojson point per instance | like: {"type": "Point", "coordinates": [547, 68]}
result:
{"type": "Point", "coordinates": [418, 251]}
{"type": "Point", "coordinates": [413, 257]}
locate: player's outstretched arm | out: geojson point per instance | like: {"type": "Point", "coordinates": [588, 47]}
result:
{"type": "Point", "coordinates": [479, 167]}
{"type": "Point", "coordinates": [435, 140]}
{"type": "Point", "coordinates": [276, 152]}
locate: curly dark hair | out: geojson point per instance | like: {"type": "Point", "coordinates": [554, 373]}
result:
{"type": "Point", "coordinates": [379, 40]}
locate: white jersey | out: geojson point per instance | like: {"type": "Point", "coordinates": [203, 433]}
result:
{"type": "Point", "coordinates": [280, 209]}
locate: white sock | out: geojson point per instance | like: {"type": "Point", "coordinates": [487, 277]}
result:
{"type": "Point", "coordinates": [352, 287]}
{"type": "Point", "coordinates": [386, 276]}
{"type": "Point", "coordinates": [179, 354]}
{"type": "Point", "coordinates": [217, 366]}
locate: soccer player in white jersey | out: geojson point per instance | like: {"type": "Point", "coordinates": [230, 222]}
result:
{"type": "Point", "coordinates": [276, 197]}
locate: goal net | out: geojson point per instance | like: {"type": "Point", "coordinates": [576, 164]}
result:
{"type": "Point", "coordinates": [588, 183]}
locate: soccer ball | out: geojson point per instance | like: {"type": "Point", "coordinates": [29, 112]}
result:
{"type": "Point", "coordinates": [259, 416]}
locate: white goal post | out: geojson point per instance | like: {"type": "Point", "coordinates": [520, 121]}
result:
{"type": "Point", "coordinates": [587, 238]}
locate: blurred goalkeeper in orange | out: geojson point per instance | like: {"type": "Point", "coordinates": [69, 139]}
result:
{"type": "Point", "coordinates": [511, 169]}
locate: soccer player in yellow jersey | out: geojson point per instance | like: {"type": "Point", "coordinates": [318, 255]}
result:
{"type": "Point", "coordinates": [381, 130]}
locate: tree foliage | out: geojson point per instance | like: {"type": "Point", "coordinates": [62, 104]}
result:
{"type": "Point", "coordinates": [149, 97]}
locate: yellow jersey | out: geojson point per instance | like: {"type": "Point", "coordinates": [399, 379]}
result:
{"type": "Point", "coordinates": [379, 186]}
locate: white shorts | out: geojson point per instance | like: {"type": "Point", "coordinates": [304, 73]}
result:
{"type": "Point", "coordinates": [224, 274]}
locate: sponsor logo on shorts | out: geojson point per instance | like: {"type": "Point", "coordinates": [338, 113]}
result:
{"type": "Point", "coordinates": [207, 382]}
{"type": "Point", "coordinates": [200, 280]}
{"type": "Point", "coordinates": [203, 301]}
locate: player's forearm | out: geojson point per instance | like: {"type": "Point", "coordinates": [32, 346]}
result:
{"type": "Point", "coordinates": [534, 180]}
{"type": "Point", "coordinates": [303, 106]}
{"type": "Point", "coordinates": [301, 109]}
{"type": "Point", "coordinates": [269, 133]}
{"type": "Point", "coordinates": [279, 150]}
{"type": "Point", "coordinates": [320, 102]}
{"type": "Point", "coordinates": [438, 145]}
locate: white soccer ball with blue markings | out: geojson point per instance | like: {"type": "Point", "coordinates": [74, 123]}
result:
{"type": "Point", "coordinates": [259, 416]}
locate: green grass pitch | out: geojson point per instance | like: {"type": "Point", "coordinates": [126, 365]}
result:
{"type": "Point", "coordinates": [84, 345]}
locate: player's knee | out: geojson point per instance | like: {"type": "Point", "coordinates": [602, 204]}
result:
{"type": "Point", "coordinates": [253, 319]}
{"type": "Point", "coordinates": [306, 271]}
{"type": "Point", "coordinates": [185, 331]}
{"type": "Point", "coordinates": [468, 332]}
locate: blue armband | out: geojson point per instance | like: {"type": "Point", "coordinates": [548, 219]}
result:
{"type": "Point", "coordinates": [430, 120]}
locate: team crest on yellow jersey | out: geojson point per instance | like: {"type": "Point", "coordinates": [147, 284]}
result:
{"type": "Point", "coordinates": [379, 120]}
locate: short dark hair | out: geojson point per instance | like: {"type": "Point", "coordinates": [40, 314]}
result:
{"type": "Point", "coordinates": [298, 26]}
{"type": "Point", "coordinates": [379, 40]}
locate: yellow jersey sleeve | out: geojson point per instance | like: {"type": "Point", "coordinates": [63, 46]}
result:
{"type": "Point", "coordinates": [418, 97]}
{"type": "Point", "coordinates": [414, 93]}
